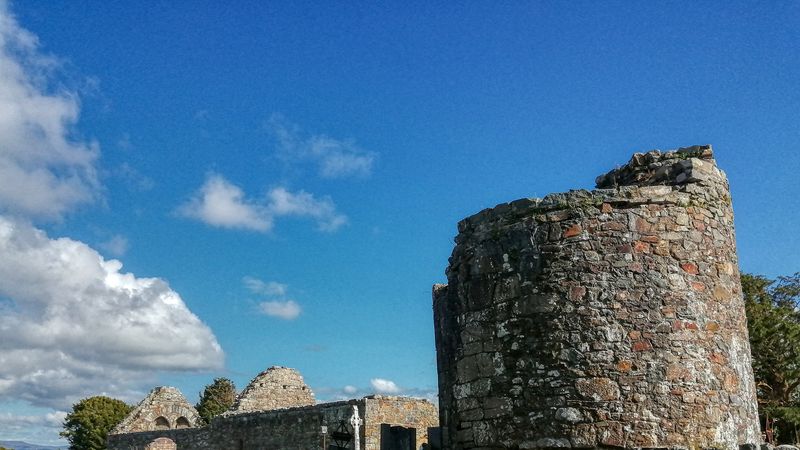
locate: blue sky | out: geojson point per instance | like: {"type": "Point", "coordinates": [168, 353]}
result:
{"type": "Point", "coordinates": [281, 183]}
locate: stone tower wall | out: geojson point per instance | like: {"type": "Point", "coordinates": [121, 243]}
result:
{"type": "Point", "coordinates": [610, 318]}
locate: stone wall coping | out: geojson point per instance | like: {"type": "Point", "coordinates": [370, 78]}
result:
{"type": "Point", "coordinates": [401, 398]}
{"type": "Point", "coordinates": [237, 414]}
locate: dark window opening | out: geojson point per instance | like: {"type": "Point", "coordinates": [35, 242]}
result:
{"type": "Point", "coordinates": [162, 423]}
{"type": "Point", "coordinates": [182, 422]}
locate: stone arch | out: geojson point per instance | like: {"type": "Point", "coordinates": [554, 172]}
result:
{"type": "Point", "coordinates": [162, 423]}
{"type": "Point", "coordinates": [182, 422]}
{"type": "Point", "coordinates": [162, 443]}
{"type": "Point", "coordinates": [164, 401]}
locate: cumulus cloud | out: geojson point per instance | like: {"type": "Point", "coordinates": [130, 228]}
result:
{"type": "Point", "coordinates": [377, 386]}
{"type": "Point", "coordinates": [222, 204]}
{"type": "Point", "coordinates": [302, 204]}
{"type": "Point", "coordinates": [45, 169]}
{"type": "Point", "coordinates": [282, 309]}
{"type": "Point", "coordinates": [383, 386]}
{"type": "Point", "coordinates": [334, 158]}
{"type": "Point", "coordinates": [277, 305]}
{"type": "Point", "coordinates": [74, 324]}
{"type": "Point", "coordinates": [29, 427]}
{"type": "Point", "coordinates": [257, 286]}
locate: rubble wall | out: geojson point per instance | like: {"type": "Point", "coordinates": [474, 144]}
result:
{"type": "Point", "coordinates": [605, 318]}
{"type": "Point", "coordinates": [295, 428]}
{"type": "Point", "coordinates": [184, 439]}
{"type": "Point", "coordinates": [275, 388]}
{"type": "Point", "coordinates": [397, 411]}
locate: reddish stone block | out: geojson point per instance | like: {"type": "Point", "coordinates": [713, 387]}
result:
{"type": "Point", "coordinates": [643, 226]}
{"type": "Point", "coordinates": [572, 231]}
{"type": "Point", "coordinates": [689, 268]}
{"type": "Point", "coordinates": [614, 226]}
{"type": "Point", "coordinates": [697, 286]}
{"type": "Point", "coordinates": [624, 366]}
{"type": "Point", "coordinates": [576, 293]}
{"type": "Point", "coordinates": [717, 358]}
{"type": "Point", "coordinates": [731, 382]}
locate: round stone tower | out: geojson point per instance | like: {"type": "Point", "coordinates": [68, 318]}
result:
{"type": "Point", "coordinates": [610, 318]}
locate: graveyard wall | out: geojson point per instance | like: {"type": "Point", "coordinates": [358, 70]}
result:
{"type": "Point", "coordinates": [295, 428]}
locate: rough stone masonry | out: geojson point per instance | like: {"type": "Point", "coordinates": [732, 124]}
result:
{"type": "Point", "coordinates": [597, 319]}
{"type": "Point", "coordinates": [275, 411]}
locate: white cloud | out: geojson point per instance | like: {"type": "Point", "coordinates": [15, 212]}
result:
{"type": "Point", "coordinates": [282, 309]}
{"type": "Point", "coordinates": [277, 304]}
{"type": "Point", "coordinates": [73, 324]}
{"type": "Point", "coordinates": [377, 385]}
{"type": "Point", "coordinates": [29, 427]}
{"type": "Point", "coordinates": [116, 246]}
{"type": "Point", "coordinates": [222, 204]}
{"type": "Point", "coordinates": [45, 169]}
{"type": "Point", "coordinates": [272, 288]}
{"type": "Point", "coordinates": [334, 158]}
{"type": "Point", "coordinates": [383, 386]}
{"type": "Point", "coordinates": [303, 204]}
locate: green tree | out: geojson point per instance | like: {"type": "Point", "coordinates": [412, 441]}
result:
{"type": "Point", "coordinates": [773, 322]}
{"type": "Point", "coordinates": [216, 398]}
{"type": "Point", "coordinates": [87, 426]}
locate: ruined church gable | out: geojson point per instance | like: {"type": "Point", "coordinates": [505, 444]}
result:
{"type": "Point", "coordinates": [275, 388]}
{"type": "Point", "coordinates": [164, 408]}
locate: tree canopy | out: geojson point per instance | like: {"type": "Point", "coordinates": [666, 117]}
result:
{"type": "Point", "coordinates": [87, 426]}
{"type": "Point", "coordinates": [773, 322]}
{"type": "Point", "coordinates": [216, 398]}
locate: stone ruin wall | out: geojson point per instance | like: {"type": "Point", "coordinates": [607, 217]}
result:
{"type": "Point", "coordinates": [275, 388]}
{"type": "Point", "coordinates": [289, 428]}
{"type": "Point", "coordinates": [398, 411]}
{"type": "Point", "coordinates": [163, 405]}
{"type": "Point", "coordinates": [610, 318]}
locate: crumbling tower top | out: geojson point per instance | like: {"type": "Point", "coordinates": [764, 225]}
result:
{"type": "Point", "coordinates": [684, 165]}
